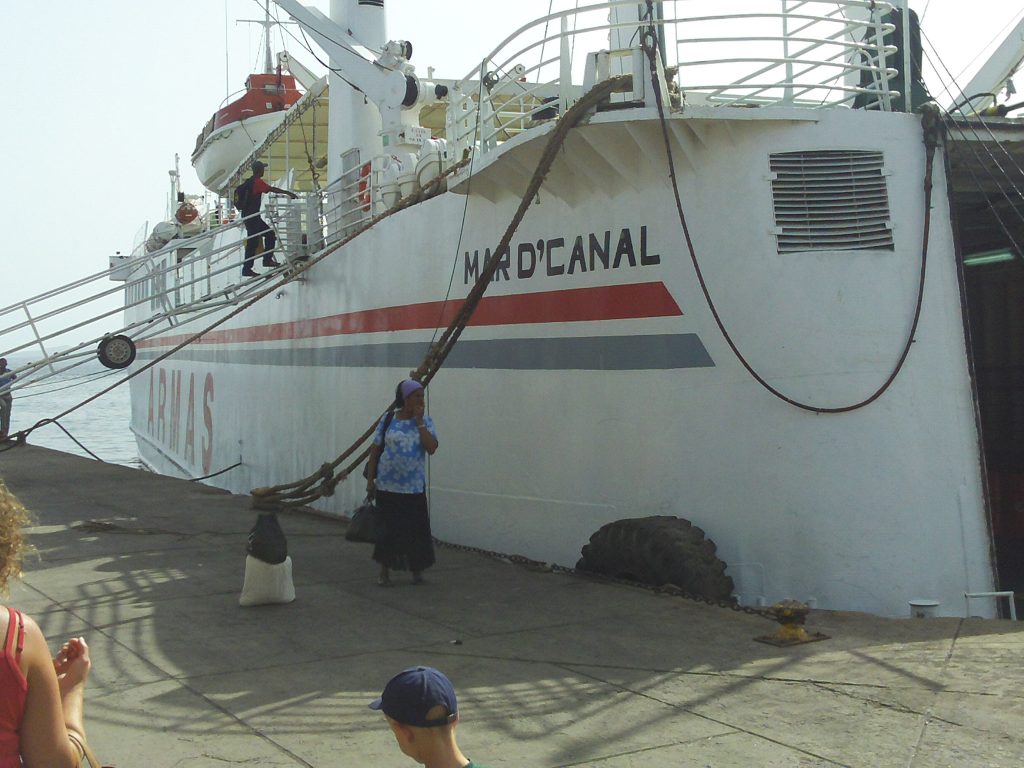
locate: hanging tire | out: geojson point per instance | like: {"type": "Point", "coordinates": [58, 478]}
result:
{"type": "Point", "coordinates": [116, 351]}
{"type": "Point", "coordinates": [657, 551]}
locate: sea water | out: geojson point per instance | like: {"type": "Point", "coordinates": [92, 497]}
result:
{"type": "Point", "coordinates": [101, 426]}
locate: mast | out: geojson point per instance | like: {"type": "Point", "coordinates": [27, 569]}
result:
{"type": "Point", "coordinates": [267, 23]}
{"type": "Point", "coordinates": [268, 59]}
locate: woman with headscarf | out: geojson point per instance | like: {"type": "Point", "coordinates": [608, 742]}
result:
{"type": "Point", "coordinates": [397, 478]}
{"type": "Point", "coordinates": [41, 721]}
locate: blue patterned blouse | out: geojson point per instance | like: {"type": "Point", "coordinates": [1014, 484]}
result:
{"type": "Point", "coordinates": [402, 466]}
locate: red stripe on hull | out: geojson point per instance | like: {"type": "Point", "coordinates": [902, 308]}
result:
{"type": "Point", "coordinates": [616, 302]}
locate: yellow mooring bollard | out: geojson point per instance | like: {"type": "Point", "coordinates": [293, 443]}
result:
{"type": "Point", "coordinates": [791, 615]}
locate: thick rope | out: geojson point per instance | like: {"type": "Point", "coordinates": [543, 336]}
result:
{"type": "Point", "coordinates": [932, 133]}
{"type": "Point", "coordinates": [323, 483]}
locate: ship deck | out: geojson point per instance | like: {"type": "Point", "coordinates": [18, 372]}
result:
{"type": "Point", "coordinates": [552, 669]}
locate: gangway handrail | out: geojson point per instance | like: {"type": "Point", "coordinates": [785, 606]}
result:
{"type": "Point", "coordinates": [85, 349]}
{"type": "Point", "coordinates": [105, 274]}
{"type": "Point", "coordinates": [177, 310]}
{"type": "Point", "coordinates": [243, 291]}
{"type": "Point", "coordinates": [166, 250]}
{"type": "Point", "coordinates": [173, 245]}
{"type": "Point", "coordinates": [209, 302]}
{"type": "Point", "coordinates": [139, 264]}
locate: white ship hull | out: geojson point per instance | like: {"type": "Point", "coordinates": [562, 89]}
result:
{"type": "Point", "coordinates": [585, 393]}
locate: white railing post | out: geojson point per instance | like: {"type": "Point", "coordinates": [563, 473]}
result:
{"type": "Point", "coordinates": [787, 96]}
{"type": "Point", "coordinates": [1009, 595]}
{"type": "Point", "coordinates": [486, 107]}
{"type": "Point", "coordinates": [881, 62]}
{"type": "Point", "coordinates": [314, 226]}
{"type": "Point", "coordinates": [39, 339]}
{"type": "Point", "coordinates": [907, 57]}
{"type": "Point", "coordinates": [564, 68]}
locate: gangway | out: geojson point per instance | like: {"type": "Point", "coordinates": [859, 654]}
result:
{"type": "Point", "coordinates": [184, 282]}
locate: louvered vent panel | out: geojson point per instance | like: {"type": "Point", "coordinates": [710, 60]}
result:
{"type": "Point", "coordinates": [833, 200]}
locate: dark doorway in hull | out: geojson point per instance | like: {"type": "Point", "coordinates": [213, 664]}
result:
{"type": "Point", "coordinates": [995, 303]}
{"type": "Point", "coordinates": [985, 164]}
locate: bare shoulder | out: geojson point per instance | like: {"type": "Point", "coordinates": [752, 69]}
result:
{"type": "Point", "coordinates": [36, 654]}
{"type": "Point", "coordinates": [31, 628]}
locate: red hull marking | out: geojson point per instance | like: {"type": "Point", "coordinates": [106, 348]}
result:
{"type": "Point", "coordinates": [616, 302]}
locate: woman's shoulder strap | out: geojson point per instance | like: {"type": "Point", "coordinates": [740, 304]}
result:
{"type": "Point", "coordinates": [15, 624]}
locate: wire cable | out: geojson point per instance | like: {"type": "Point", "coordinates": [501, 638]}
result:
{"type": "Point", "coordinates": [309, 48]}
{"type": "Point", "coordinates": [650, 44]}
{"type": "Point", "coordinates": [1000, 175]}
{"type": "Point", "coordinates": [20, 437]}
{"type": "Point", "coordinates": [28, 391]}
{"type": "Point", "coordinates": [215, 474]}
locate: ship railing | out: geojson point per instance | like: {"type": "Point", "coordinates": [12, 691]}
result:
{"type": "Point", "coordinates": [178, 285]}
{"type": "Point", "coordinates": [289, 221]}
{"type": "Point", "coordinates": [346, 203]}
{"type": "Point", "coordinates": [792, 53]}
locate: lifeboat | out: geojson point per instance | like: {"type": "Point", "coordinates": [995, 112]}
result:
{"type": "Point", "coordinates": [230, 135]}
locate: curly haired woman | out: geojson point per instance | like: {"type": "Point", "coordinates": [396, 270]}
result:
{"type": "Point", "coordinates": [41, 722]}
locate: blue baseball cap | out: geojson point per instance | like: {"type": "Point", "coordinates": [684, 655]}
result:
{"type": "Point", "coordinates": [412, 693]}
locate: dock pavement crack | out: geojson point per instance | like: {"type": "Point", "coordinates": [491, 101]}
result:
{"type": "Point", "coordinates": [928, 716]}
{"type": "Point", "coordinates": [708, 718]}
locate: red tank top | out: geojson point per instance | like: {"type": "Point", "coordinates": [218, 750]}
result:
{"type": "Point", "coordinates": [13, 690]}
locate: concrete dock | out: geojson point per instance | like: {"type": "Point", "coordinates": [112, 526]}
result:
{"type": "Point", "coordinates": [552, 669]}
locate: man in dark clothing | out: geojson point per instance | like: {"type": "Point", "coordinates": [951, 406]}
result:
{"type": "Point", "coordinates": [255, 226]}
{"type": "Point", "coordinates": [6, 380]}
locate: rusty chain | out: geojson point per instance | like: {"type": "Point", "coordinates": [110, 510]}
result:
{"type": "Point", "coordinates": [665, 589]}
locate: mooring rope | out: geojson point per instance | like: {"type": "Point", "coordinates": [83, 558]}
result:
{"type": "Point", "coordinates": [323, 482]}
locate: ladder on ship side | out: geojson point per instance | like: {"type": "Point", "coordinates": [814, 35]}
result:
{"type": "Point", "coordinates": [183, 283]}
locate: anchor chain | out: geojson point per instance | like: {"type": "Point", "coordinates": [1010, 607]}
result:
{"type": "Point", "coordinates": [672, 590]}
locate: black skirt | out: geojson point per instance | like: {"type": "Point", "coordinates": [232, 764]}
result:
{"type": "Point", "coordinates": [407, 544]}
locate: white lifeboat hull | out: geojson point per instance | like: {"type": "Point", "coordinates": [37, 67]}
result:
{"type": "Point", "coordinates": [228, 146]}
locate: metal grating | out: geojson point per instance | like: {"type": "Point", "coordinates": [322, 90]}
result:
{"type": "Point", "coordinates": [831, 200]}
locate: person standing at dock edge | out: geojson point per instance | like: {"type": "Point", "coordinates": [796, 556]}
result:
{"type": "Point", "coordinates": [41, 719]}
{"type": "Point", "coordinates": [397, 478]}
{"type": "Point", "coordinates": [251, 199]}
{"type": "Point", "coordinates": [6, 400]}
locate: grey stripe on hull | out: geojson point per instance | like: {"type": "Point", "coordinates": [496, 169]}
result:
{"type": "Point", "coordinates": [601, 353]}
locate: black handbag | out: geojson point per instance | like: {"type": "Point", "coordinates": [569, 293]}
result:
{"type": "Point", "coordinates": [267, 541]}
{"type": "Point", "coordinates": [367, 524]}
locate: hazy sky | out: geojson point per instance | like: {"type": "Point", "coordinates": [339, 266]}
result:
{"type": "Point", "coordinates": [102, 94]}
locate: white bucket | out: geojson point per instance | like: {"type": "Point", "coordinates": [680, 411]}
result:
{"type": "Point", "coordinates": [923, 609]}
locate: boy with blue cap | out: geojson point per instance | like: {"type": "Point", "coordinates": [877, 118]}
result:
{"type": "Point", "coordinates": [420, 707]}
